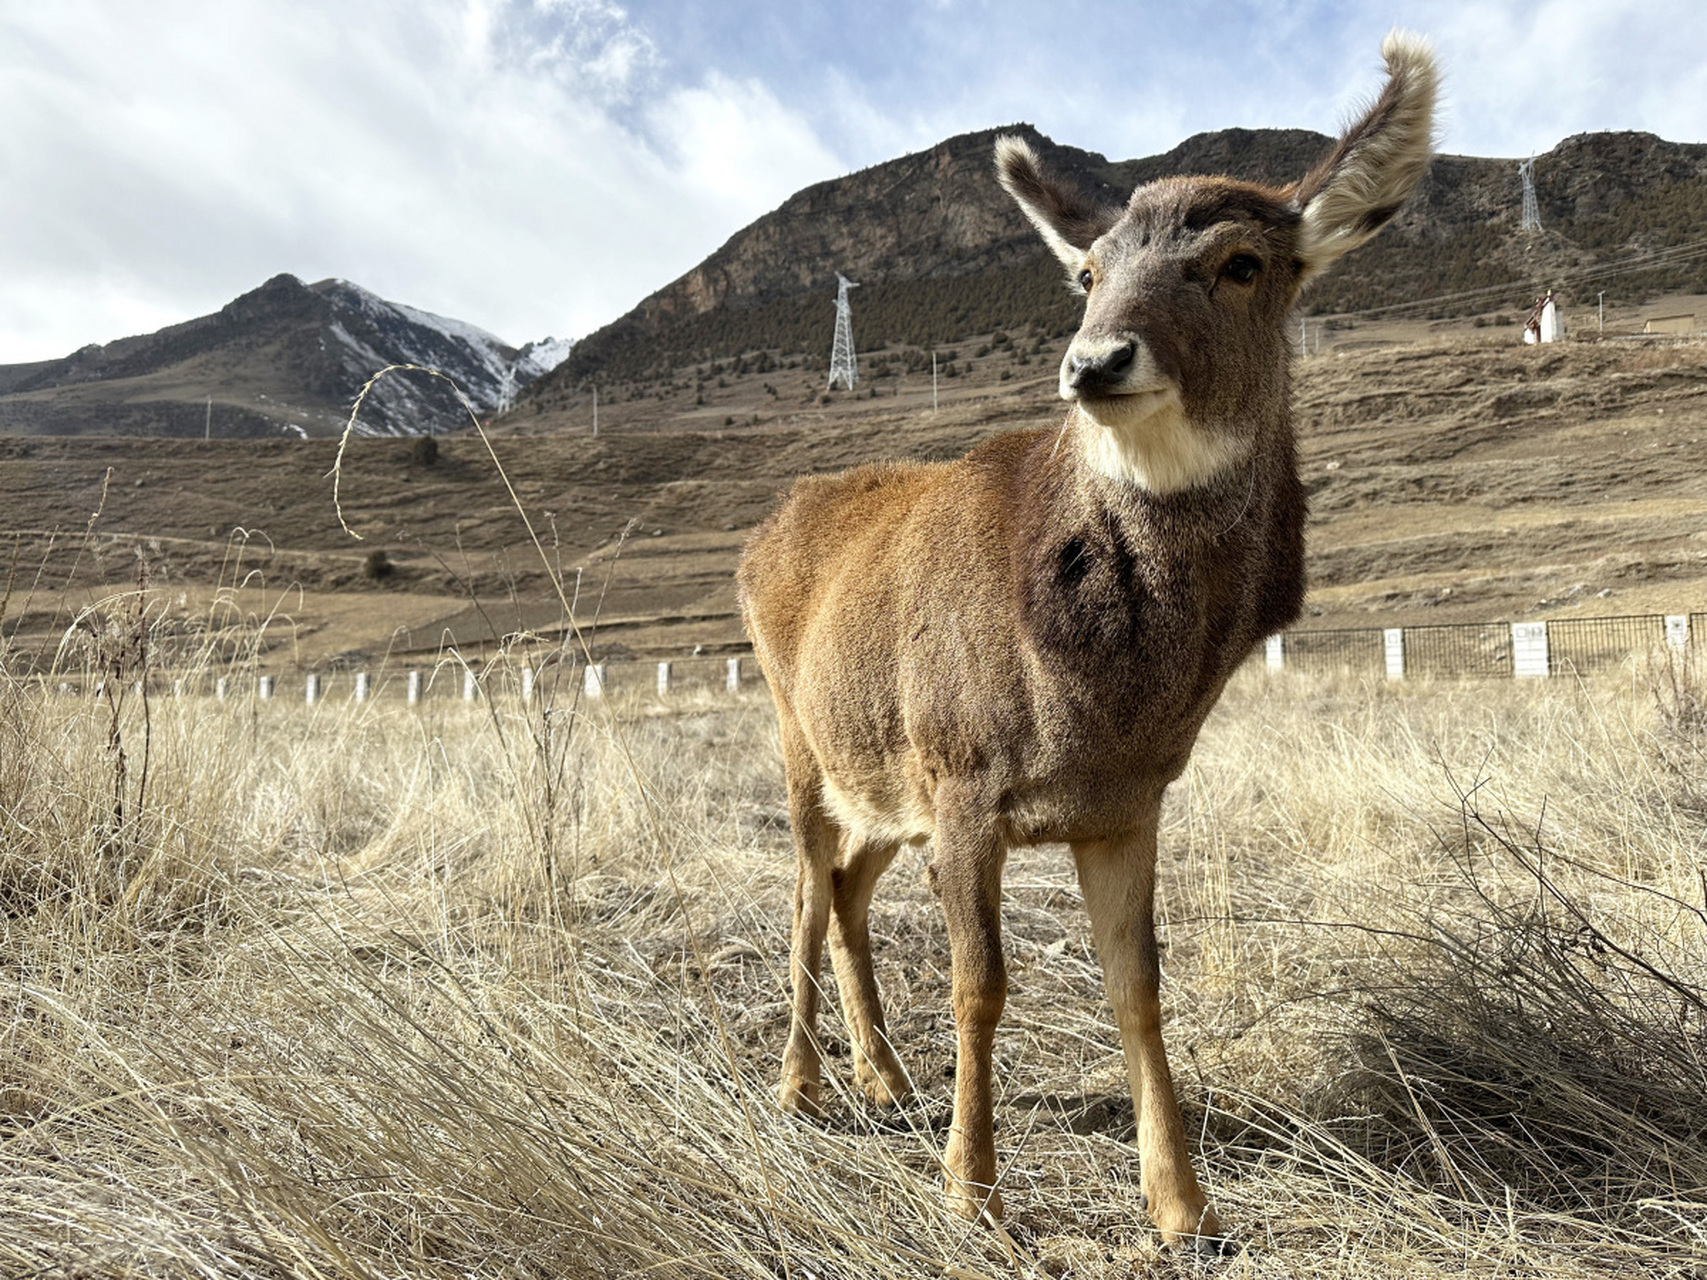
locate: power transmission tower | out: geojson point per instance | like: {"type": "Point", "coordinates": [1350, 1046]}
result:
{"type": "Point", "coordinates": [842, 362]}
{"type": "Point", "coordinates": [1531, 209]}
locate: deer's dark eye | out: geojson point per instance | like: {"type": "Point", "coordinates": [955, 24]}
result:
{"type": "Point", "coordinates": [1085, 280]}
{"type": "Point", "coordinates": [1242, 267]}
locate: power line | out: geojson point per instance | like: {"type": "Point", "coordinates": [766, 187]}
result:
{"type": "Point", "coordinates": [1674, 255]}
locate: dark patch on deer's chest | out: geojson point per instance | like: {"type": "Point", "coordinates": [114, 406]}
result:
{"type": "Point", "coordinates": [1094, 601]}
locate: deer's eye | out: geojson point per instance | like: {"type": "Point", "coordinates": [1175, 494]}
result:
{"type": "Point", "coordinates": [1085, 280]}
{"type": "Point", "coordinates": [1242, 267]}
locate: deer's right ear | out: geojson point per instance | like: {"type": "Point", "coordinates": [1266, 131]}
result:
{"type": "Point", "coordinates": [1068, 222]}
{"type": "Point", "coordinates": [1372, 170]}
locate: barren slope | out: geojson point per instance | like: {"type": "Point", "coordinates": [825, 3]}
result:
{"type": "Point", "coordinates": [1457, 476]}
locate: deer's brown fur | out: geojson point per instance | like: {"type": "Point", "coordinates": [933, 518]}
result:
{"type": "Point", "coordinates": [1020, 646]}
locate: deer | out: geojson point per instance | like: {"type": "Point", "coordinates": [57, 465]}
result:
{"type": "Point", "coordinates": [1019, 647]}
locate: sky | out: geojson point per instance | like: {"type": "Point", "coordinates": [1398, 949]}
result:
{"type": "Point", "coordinates": [536, 167]}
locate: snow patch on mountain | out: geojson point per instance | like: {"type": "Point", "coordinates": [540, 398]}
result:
{"type": "Point", "coordinates": [374, 332]}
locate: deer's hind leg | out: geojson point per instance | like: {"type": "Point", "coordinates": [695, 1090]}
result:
{"type": "Point", "coordinates": [816, 840]}
{"type": "Point", "coordinates": [876, 1068]}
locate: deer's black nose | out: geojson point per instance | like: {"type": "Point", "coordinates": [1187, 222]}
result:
{"type": "Point", "coordinates": [1102, 371]}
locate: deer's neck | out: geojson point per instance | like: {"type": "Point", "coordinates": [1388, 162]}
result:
{"type": "Point", "coordinates": [1153, 445]}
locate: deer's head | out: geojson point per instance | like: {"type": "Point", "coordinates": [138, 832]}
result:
{"type": "Point", "coordinates": [1180, 364]}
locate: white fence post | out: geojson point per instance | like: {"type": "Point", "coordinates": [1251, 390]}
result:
{"type": "Point", "coordinates": [663, 679]}
{"type": "Point", "coordinates": [1529, 649]}
{"type": "Point", "coordinates": [732, 675]}
{"type": "Point", "coordinates": [593, 681]}
{"type": "Point", "coordinates": [470, 685]}
{"type": "Point", "coordinates": [311, 689]}
{"type": "Point", "coordinates": [178, 687]}
{"type": "Point", "coordinates": [414, 687]}
{"type": "Point", "coordinates": [527, 684]}
{"type": "Point", "coordinates": [264, 688]}
{"type": "Point", "coordinates": [1677, 630]}
{"type": "Point", "coordinates": [1394, 637]}
{"type": "Point", "coordinates": [364, 685]}
{"type": "Point", "coordinates": [1275, 652]}
{"type": "Point", "coordinates": [221, 687]}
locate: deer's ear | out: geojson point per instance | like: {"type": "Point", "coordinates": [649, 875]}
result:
{"type": "Point", "coordinates": [1068, 222]}
{"type": "Point", "coordinates": [1358, 186]}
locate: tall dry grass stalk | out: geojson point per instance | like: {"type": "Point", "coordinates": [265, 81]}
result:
{"type": "Point", "coordinates": [499, 990]}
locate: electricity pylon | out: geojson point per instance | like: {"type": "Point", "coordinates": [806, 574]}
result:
{"type": "Point", "coordinates": [842, 362]}
{"type": "Point", "coordinates": [1531, 208]}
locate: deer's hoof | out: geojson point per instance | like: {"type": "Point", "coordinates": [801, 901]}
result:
{"type": "Point", "coordinates": [801, 1098]}
{"type": "Point", "coordinates": [973, 1201]}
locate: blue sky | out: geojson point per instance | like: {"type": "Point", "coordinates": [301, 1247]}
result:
{"type": "Point", "coordinates": [538, 166]}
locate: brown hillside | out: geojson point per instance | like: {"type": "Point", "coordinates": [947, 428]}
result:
{"type": "Point", "coordinates": [1454, 476]}
{"type": "Point", "coordinates": [941, 254]}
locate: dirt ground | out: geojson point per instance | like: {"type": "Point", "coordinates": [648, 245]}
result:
{"type": "Point", "coordinates": [1455, 476]}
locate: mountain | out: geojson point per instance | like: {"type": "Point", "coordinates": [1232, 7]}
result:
{"type": "Point", "coordinates": [943, 255]}
{"type": "Point", "coordinates": [286, 358]}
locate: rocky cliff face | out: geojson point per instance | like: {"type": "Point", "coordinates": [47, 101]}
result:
{"type": "Point", "coordinates": [938, 246]}
{"type": "Point", "coordinates": [284, 358]}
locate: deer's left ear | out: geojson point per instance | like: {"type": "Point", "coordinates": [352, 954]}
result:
{"type": "Point", "coordinates": [1358, 186]}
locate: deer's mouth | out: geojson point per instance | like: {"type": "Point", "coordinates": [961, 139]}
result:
{"type": "Point", "coordinates": [1124, 408]}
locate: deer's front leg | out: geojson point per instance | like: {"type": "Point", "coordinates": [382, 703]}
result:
{"type": "Point", "coordinates": [968, 875]}
{"type": "Point", "coordinates": [1118, 878]}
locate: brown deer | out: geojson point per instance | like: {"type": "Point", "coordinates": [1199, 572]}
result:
{"type": "Point", "coordinates": [1019, 647]}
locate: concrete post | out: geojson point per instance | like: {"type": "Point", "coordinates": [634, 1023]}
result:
{"type": "Point", "coordinates": [264, 688]}
{"type": "Point", "coordinates": [732, 675]}
{"type": "Point", "coordinates": [311, 689]}
{"type": "Point", "coordinates": [663, 679]}
{"type": "Point", "coordinates": [1394, 638]}
{"type": "Point", "coordinates": [1529, 650]}
{"type": "Point", "coordinates": [470, 685]}
{"type": "Point", "coordinates": [414, 687]}
{"type": "Point", "coordinates": [527, 684]}
{"type": "Point", "coordinates": [593, 680]}
{"type": "Point", "coordinates": [1275, 651]}
{"type": "Point", "coordinates": [364, 686]}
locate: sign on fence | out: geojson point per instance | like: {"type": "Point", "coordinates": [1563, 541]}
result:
{"type": "Point", "coordinates": [1677, 630]}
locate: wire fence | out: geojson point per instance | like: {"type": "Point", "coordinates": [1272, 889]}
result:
{"type": "Point", "coordinates": [1477, 650]}
{"type": "Point", "coordinates": [1562, 647]}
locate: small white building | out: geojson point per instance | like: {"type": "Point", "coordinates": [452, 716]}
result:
{"type": "Point", "coordinates": [1545, 323]}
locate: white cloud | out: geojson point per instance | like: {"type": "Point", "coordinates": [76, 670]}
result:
{"type": "Point", "coordinates": [517, 165]}
{"type": "Point", "coordinates": [538, 166]}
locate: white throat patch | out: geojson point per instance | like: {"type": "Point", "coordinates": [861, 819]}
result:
{"type": "Point", "coordinates": [1152, 444]}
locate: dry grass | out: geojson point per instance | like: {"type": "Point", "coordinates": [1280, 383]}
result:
{"type": "Point", "coordinates": [451, 991]}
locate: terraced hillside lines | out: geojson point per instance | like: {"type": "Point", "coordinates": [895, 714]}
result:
{"type": "Point", "coordinates": [1515, 480]}
{"type": "Point", "coordinates": [1454, 477]}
